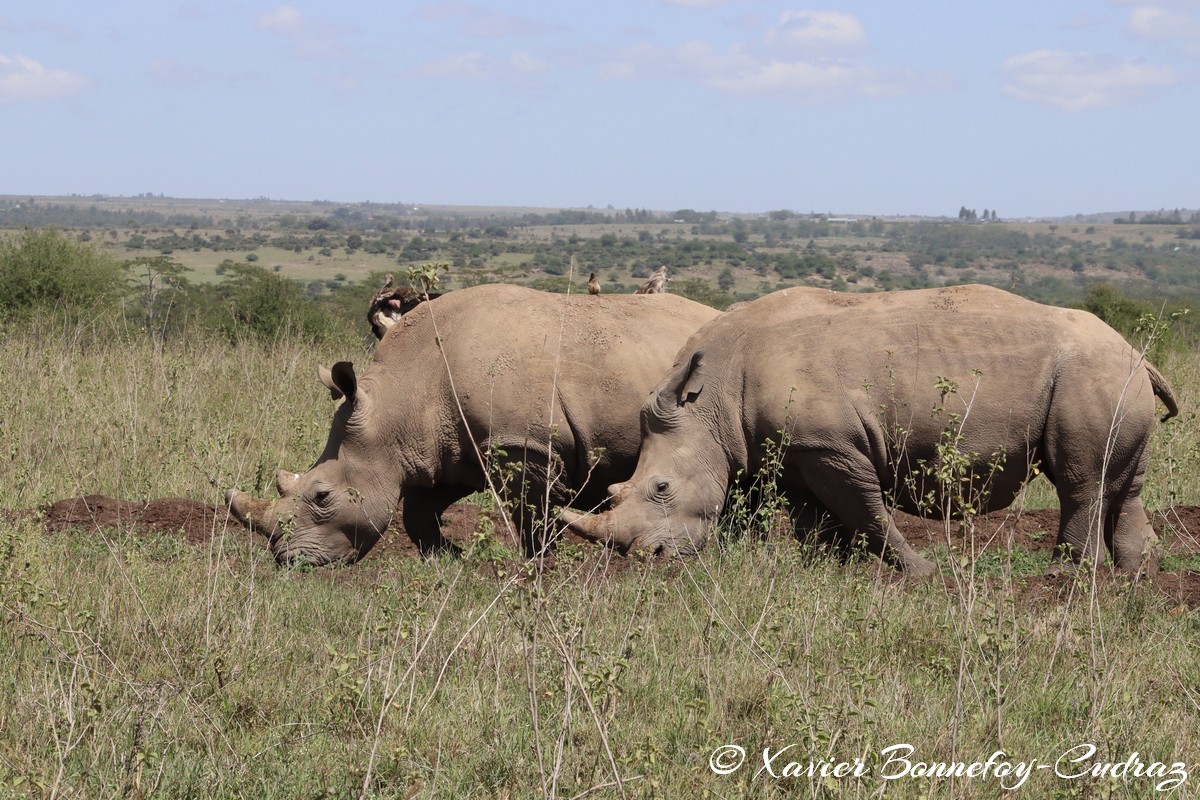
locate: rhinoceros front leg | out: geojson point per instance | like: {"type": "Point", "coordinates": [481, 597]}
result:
{"type": "Point", "coordinates": [813, 523]}
{"type": "Point", "coordinates": [534, 489]}
{"type": "Point", "coordinates": [846, 483]}
{"type": "Point", "coordinates": [423, 509]}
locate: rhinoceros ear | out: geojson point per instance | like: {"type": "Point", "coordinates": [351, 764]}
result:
{"type": "Point", "coordinates": [327, 379]}
{"type": "Point", "coordinates": [693, 380]}
{"type": "Point", "coordinates": [344, 379]}
{"type": "Point", "coordinates": [341, 381]}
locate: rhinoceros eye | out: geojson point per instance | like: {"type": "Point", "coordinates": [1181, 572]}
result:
{"type": "Point", "coordinates": [321, 498]}
{"type": "Point", "coordinates": [662, 486]}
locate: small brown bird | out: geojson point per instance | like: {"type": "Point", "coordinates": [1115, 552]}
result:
{"type": "Point", "coordinates": [656, 284]}
{"type": "Point", "coordinates": [593, 285]}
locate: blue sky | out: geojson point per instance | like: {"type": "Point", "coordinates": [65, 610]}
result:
{"type": "Point", "coordinates": [1028, 107]}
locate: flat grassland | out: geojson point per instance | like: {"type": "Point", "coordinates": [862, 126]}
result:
{"type": "Point", "coordinates": [715, 258]}
{"type": "Point", "coordinates": [153, 648]}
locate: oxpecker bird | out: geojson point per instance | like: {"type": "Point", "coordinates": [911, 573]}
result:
{"type": "Point", "coordinates": [657, 283]}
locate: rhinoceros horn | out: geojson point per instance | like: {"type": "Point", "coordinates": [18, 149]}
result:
{"type": "Point", "coordinates": [594, 527]}
{"type": "Point", "coordinates": [248, 510]}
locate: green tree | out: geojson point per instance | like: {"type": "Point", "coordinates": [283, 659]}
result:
{"type": "Point", "coordinates": [259, 303]}
{"type": "Point", "coordinates": [42, 270]}
{"type": "Point", "coordinates": [702, 292]}
{"type": "Point", "coordinates": [726, 280]}
{"type": "Point", "coordinates": [159, 281]}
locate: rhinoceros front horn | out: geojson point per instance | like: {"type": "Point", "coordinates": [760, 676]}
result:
{"type": "Point", "coordinates": [247, 510]}
{"type": "Point", "coordinates": [594, 527]}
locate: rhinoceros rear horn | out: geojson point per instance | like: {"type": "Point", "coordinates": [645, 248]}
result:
{"type": "Point", "coordinates": [340, 381]}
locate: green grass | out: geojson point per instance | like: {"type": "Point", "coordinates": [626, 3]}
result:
{"type": "Point", "coordinates": [142, 667]}
{"type": "Point", "coordinates": [306, 266]}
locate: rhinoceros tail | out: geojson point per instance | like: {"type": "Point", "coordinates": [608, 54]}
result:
{"type": "Point", "coordinates": [1163, 391]}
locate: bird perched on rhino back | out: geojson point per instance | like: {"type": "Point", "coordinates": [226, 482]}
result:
{"type": "Point", "coordinates": [593, 285]}
{"type": "Point", "coordinates": [656, 284]}
{"type": "Point", "coordinates": [391, 303]}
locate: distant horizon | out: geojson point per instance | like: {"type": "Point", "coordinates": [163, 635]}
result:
{"type": "Point", "coordinates": [592, 207]}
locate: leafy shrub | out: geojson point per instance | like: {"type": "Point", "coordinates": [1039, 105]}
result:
{"type": "Point", "coordinates": [265, 305]}
{"type": "Point", "coordinates": [1141, 322]}
{"type": "Point", "coordinates": [43, 270]}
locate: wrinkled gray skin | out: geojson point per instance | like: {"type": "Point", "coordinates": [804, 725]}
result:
{"type": "Point", "coordinates": [860, 385]}
{"type": "Point", "coordinates": [537, 375]}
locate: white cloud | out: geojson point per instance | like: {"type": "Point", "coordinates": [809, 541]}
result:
{"type": "Point", "coordinates": [808, 32]}
{"type": "Point", "coordinates": [797, 79]}
{"type": "Point", "coordinates": [24, 79]}
{"type": "Point", "coordinates": [805, 56]}
{"type": "Point", "coordinates": [284, 21]}
{"type": "Point", "coordinates": [190, 11]}
{"type": "Point", "coordinates": [1079, 81]}
{"type": "Point", "coordinates": [309, 39]}
{"type": "Point", "coordinates": [808, 56]}
{"type": "Point", "coordinates": [1160, 24]}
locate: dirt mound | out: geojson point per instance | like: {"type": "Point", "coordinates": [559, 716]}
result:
{"type": "Point", "coordinates": [198, 522]}
{"type": "Point", "coordinates": [195, 521]}
{"type": "Point", "coordinates": [459, 524]}
{"type": "Point", "coordinates": [1035, 531]}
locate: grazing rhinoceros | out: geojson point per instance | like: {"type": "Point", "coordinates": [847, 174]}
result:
{"type": "Point", "coordinates": [500, 374]}
{"type": "Point", "coordinates": [927, 401]}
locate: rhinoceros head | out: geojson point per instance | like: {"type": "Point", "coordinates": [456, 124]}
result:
{"type": "Point", "coordinates": [683, 471]}
{"type": "Point", "coordinates": [337, 510]}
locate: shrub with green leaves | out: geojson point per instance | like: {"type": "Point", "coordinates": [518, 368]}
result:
{"type": "Point", "coordinates": [258, 302]}
{"type": "Point", "coordinates": [42, 270]}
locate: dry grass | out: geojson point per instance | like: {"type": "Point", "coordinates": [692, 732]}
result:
{"type": "Point", "coordinates": [138, 666]}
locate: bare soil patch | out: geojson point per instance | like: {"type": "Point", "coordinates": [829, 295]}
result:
{"type": "Point", "coordinates": [1035, 531]}
{"type": "Point", "coordinates": [196, 522]}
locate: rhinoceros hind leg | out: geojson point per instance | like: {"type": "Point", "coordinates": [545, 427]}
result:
{"type": "Point", "coordinates": [1126, 532]}
{"type": "Point", "coordinates": [1135, 547]}
{"type": "Point", "coordinates": [423, 509]}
